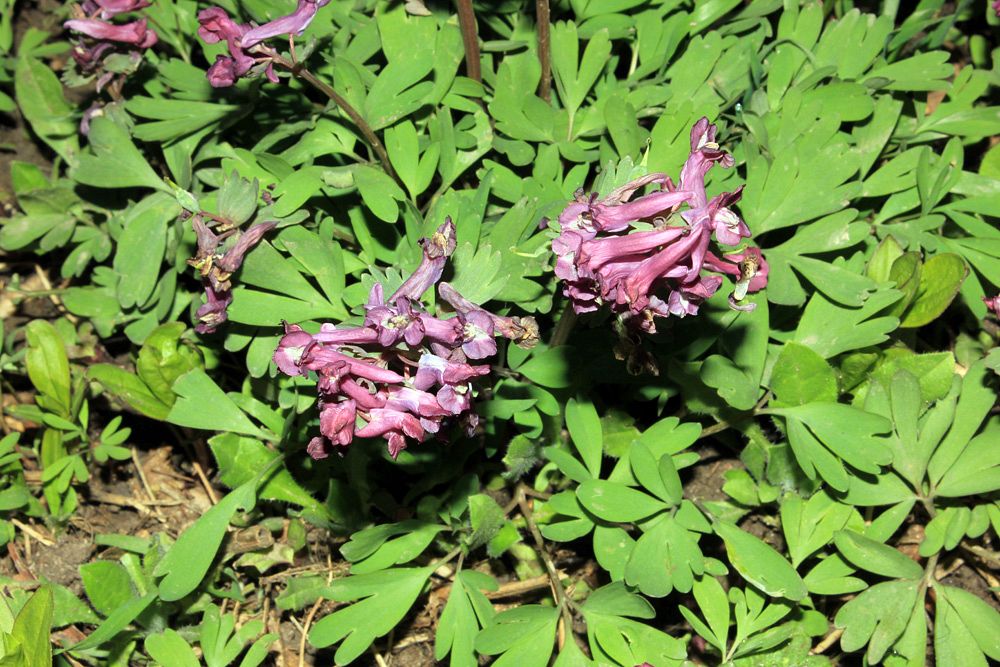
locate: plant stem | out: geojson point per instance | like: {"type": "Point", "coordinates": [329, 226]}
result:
{"type": "Point", "coordinates": [470, 38]}
{"type": "Point", "coordinates": [542, 17]}
{"type": "Point", "coordinates": [306, 75]}
{"type": "Point", "coordinates": [562, 601]}
{"type": "Point", "coordinates": [563, 327]}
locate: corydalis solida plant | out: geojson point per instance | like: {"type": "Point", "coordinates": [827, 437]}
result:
{"type": "Point", "coordinates": [670, 269]}
{"type": "Point", "coordinates": [404, 371]}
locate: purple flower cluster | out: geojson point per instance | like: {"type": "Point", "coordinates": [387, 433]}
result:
{"type": "Point", "coordinates": [217, 267]}
{"type": "Point", "coordinates": [106, 36]}
{"type": "Point", "coordinates": [404, 371]}
{"type": "Point", "coordinates": [243, 40]}
{"type": "Point", "coordinates": [667, 269]}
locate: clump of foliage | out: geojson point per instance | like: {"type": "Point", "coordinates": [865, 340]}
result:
{"type": "Point", "coordinates": [494, 236]}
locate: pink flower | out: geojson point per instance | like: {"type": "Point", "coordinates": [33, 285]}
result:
{"type": "Point", "coordinates": [217, 26]}
{"type": "Point", "coordinates": [135, 33]}
{"type": "Point", "coordinates": [993, 304]}
{"type": "Point", "coordinates": [294, 23]}
{"type": "Point", "coordinates": [660, 272]}
{"type": "Point", "coordinates": [404, 372]}
{"type": "Point", "coordinates": [336, 421]}
{"type": "Point", "coordinates": [217, 269]}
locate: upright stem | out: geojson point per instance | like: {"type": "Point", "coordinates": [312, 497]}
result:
{"type": "Point", "coordinates": [559, 593]}
{"type": "Point", "coordinates": [470, 38]}
{"type": "Point", "coordinates": [304, 74]}
{"type": "Point", "coordinates": [542, 16]}
{"type": "Point", "coordinates": [564, 326]}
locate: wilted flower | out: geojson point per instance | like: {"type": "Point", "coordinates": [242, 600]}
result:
{"type": "Point", "coordinates": [217, 268]}
{"type": "Point", "coordinates": [404, 371]}
{"type": "Point", "coordinates": [241, 40]}
{"type": "Point", "coordinates": [666, 270]}
{"type": "Point", "coordinates": [105, 37]}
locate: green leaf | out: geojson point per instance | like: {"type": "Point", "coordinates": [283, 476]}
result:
{"type": "Point", "coordinates": [116, 162]}
{"type": "Point", "coordinates": [22, 230]}
{"type": "Point", "coordinates": [574, 77]}
{"type": "Point", "coordinates": [202, 404]}
{"type": "Point", "coordinates": [974, 403]}
{"type": "Point", "coordinates": [848, 432]}
{"type": "Point", "coordinates": [811, 524]}
{"type": "Point", "coordinates": [108, 585]}
{"type": "Point", "coordinates": [32, 627]}
{"type": "Point", "coordinates": [875, 557]}
{"type": "Point", "coordinates": [164, 357]}
{"type": "Point", "coordinates": [800, 376]}
{"type": "Point", "coordinates": [69, 609]}
{"type": "Point", "coordinates": [737, 379]}
{"type": "Point", "coordinates": [830, 330]}
{"type": "Point", "coordinates": [980, 618]}
{"type": "Point", "coordinates": [48, 366]}
{"type": "Point", "coordinates": [176, 118]}
{"type": "Point", "coordinates": [379, 192]}
{"type": "Point", "coordinates": [977, 470]}
{"type": "Point", "coordinates": [240, 459]}
{"type": "Point", "coordinates": [880, 264]}
{"type": "Point", "coordinates": [486, 518]}
{"type": "Point", "coordinates": [40, 97]}
{"type": "Point", "coordinates": [940, 279]}
{"type": "Point", "coordinates": [760, 564]}
{"type": "Point", "coordinates": [524, 635]}
{"type": "Point", "coordinates": [585, 430]}
{"type": "Point", "coordinates": [466, 612]}
{"type": "Point", "coordinates": [140, 248]}
{"type": "Point", "coordinates": [616, 502]}
{"type": "Point", "coordinates": [169, 648]}
{"type": "Point", "coordinates": [617, 639]}
{"type": "Point", "coordinates": [322, 258]}
{"type": "Point", "coordinates": [877, 617]}
{"type": "Point", "coordinates": [954, 642]}
{"type": "Point", "coordinates": [714, 606]}
{"type": "Point", "coordinates": [551, 368]}
{"type": "Point", "coordinates": [129, 388]}
{"type": "Point", "coordinates": [657, 476]}
{"type": "Point", "coordinates": [666, 557]}
{"type": "Point", "coordinates": [832, 576]}
{"type": "Point", "coordinates": [384, 598]}
{"type": "Point", "coordinates": [189, 559]}
{"type": "Point", "coordinates": [302, 592]}
{"type": "Point", "coordinates": [115, 623]}
{"type": "Point", "coordinates": [479, 276]}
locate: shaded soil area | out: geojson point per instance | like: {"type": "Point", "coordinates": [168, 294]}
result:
{"type": "Point", "coordinates": [16, 142]}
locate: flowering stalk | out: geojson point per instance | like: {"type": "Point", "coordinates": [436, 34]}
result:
{"type": "Point", "coordinates": [248, 54]}
{"type": "Point", "coordinates": [542, 18]}
{"type": "Point", "coordinates": [216, 267]}
{"type": "Point", "coordinates": [670, 269]}
{"type": "Point", "coordinates": [404, 371]}
{"type": "Point", "coordinates": [470, 39]}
